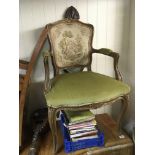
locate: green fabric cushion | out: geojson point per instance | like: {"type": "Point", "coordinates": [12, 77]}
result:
{"type": "Point", "coordinates": [83, 88]}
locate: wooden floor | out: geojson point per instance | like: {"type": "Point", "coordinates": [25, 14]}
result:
{"type": "Point", "coordinates": [112, 141]}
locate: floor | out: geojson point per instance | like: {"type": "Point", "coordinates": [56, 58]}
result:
{"type": "Point", "coordinates": [112, 140]}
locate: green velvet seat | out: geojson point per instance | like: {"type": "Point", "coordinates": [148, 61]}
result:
{"type": "Point", "coordinates": [83, 88]}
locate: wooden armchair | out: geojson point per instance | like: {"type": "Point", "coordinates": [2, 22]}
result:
{"type": "Point", "coordinates": [71, 47]}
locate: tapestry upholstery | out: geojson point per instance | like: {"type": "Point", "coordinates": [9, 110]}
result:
{"type": "Point", "coordinates": [71, 42]}
{"type": "Point", "coordinates": [83, 88]}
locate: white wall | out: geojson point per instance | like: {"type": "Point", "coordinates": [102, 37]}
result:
{"type": "Point", "coordinates": [130, 72]}
{"type": "Point", "coordinates": [114, 29]}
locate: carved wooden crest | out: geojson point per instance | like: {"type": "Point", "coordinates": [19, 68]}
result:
{"type": "Point", "coordinates": [72, 13]}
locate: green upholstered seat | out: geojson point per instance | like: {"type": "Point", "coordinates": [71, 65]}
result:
{"type": "Point", "coordinates": [83, 88]}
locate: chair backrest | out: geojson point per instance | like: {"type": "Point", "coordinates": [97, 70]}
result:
{"type": "Point", "coordinates": [71, 42]}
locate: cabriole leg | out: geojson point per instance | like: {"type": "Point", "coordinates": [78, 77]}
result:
{"type": "Point", "coordinates": [52, 122]}
{"type": "Point", "coordinates": [125, 103]}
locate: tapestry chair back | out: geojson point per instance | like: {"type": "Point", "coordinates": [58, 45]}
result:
{"type": "Point", "coordinates": [71, 42]}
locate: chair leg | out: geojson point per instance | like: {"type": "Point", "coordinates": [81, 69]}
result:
{"type": "Point", "coordinates": [125, 102]}
{"type": "Point", "coordinates": [52, 122]}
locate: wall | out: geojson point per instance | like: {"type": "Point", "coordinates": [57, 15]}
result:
{"type": "Point", "coordinates": [130, 77]}
{"type": "Point", "coordinates": [113, 29]}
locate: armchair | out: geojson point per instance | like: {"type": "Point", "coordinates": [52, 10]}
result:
{"type": "Point", "coordinates": [70, 47]}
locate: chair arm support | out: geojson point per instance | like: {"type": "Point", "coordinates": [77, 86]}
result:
{"type": "Point", "coordinates": [46, 56]}
{"type": "Point", "coordinates": [115, 56]}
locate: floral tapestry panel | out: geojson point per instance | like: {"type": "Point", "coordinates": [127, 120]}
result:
{"type": "Point", "coordinates": [71, 43]}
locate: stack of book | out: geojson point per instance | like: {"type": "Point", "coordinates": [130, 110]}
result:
{"type": "Point", "coordinates": [81, 125]}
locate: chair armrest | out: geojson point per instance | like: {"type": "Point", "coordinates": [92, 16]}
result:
{"type": "Point", "coordinates": [115, 56]}
{"type": "Point", "coordinates": [46, 56]}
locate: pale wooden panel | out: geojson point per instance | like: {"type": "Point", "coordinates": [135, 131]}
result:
{"type": "Point", "coordinates": [82, 7]}
{"type": "Point", "coordinates": [117, 38]}
{"type": "Point", "coordinates": [106, 31]}
{"type": "Point", "coordinates": [128, 53]}
{"type": "Point", "coordinates": [111, 27]}
{"type": "Point", "coordinates": [39, 13]}
{"type": "Point", "coordinates": [118, 26]}
{"type": "Point", "coordinates": [121, 31]}
{"type": "Point", "coordinates": [21, 26]}
{"type": "Point", "coordinates": [101, 40]}
{"type": "Point", "coordinates": [101, 34]}
{"type": "Point", "coordinates": [34, 15]}
{"type": "Point", "coordinates": [131, 64]}
{"type": "Point", "coordinates": [25, 30]}
{"type": "Point", "coordinates": [60, 7]}
{"type": "Point", "coordinates": [110, 39]}
{"type": "Point", "coordinates": [72, 3]}
{"type": "Point", "coordinates": [49, 11]}
{"type": "Point", "coordinates": [124, 17]}
{"type": "Point", "coordinates": [92, 18]}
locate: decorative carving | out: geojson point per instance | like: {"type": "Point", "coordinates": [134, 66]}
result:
{"type": "Point", "coordinates": [72, 13]}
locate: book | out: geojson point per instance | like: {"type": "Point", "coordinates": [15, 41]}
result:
{"type": "Point", "coordinates": [88, 133]}
{"type": "Point", "coordinates": [81, 130]}
{"type": "Point", "coordinates": [83, 124]}
{"type": "Point", "coordinates": [81, 121]}
{"type": "Point", "coordinates": [91, 122]}
{"type": "Point", "coordinates": [83, 138]}
{"type": "Point", "coordinates": [79, 116]}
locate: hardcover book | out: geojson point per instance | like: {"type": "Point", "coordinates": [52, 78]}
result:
{"type": "Point", "coordinates": [79, 116]}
